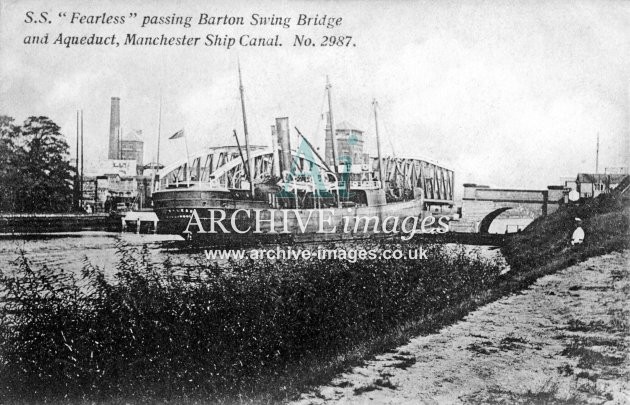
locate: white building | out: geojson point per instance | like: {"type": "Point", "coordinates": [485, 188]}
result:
{"type": "Point", "coordinates": [593, 184]}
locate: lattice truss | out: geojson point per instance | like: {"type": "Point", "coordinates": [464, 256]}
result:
{"type": "Point", "coordinates": [223, 167]}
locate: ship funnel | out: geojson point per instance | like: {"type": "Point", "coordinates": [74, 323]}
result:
{"type": "Point", "coordinates": [274, 148]}
{"type": "Point", "coordinates": [328, 154]}
{"type": "Point", "coordinates": [282, 128]}
{"type": "Point", "coordinates": [114, 126]}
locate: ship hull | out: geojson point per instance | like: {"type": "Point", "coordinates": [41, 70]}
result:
{"type": "Point", "coordinates": [217, 218]}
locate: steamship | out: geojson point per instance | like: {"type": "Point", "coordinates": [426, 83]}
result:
{"type": "Point", "coordinates": [251, 194]}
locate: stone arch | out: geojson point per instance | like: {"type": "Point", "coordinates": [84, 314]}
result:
{"type": "Point", "coordinates": [484, 225]}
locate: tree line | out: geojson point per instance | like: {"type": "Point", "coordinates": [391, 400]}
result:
{"type": "Point", "coordinates": [35, 170]}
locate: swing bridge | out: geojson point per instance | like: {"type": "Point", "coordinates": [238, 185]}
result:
{"type": "Point", "coordinates": [222, 168]}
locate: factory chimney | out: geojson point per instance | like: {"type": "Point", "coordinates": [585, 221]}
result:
{"type": "Point", "coordinates": [284, 140]}
{"type": "Point", "coordinates": [114, 130]}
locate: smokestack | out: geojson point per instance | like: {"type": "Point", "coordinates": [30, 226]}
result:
{"type": "Point", "coordinates": [282, 127]}
{"type": "Point", "coordinates": [274, 148]}
{"type": "Point", "coordinates": [114, 129]}
{"type": "Point", "coordinates": [330, 161]}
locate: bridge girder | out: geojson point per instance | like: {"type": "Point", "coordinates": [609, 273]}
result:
{"type": "Point", "coordinates": [223, 167]}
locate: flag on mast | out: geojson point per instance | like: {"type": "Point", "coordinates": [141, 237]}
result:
{"type": "Point", "coordinates": [177, 135]}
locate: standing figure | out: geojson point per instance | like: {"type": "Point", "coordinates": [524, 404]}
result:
{"type": "Point", "coordinates": [578, 233]}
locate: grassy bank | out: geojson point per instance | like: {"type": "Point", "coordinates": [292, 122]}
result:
{"type": "Point", "coordinates": [544, 247]}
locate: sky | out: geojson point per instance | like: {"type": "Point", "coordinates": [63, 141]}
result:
{"type": "Point", "coordinates": [510, 94]}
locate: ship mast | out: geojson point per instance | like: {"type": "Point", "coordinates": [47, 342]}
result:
{"type": "Point", "coordinates": [332, 124]}
{"type": "Point", "coordinates": [378, 146]}
{"type": "Point", "coordinates": [250, 170]}
{"type": "Point", "coordinates": [77, 181]}
{"type": "Point", "coordinates": [597, 156]}
{"type": "Point", "coordinates": [82, 161]}
{"type": "Point", "coordinates": [156, 168]}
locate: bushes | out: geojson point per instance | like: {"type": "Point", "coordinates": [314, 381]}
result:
{"type": "Point", "coordinates": [203, 330]}
{"type": "Point", "coordinates": [546, 241]}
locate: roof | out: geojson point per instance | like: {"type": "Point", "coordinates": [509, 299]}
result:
{"type": "Point", "coordinates": [346, 126]}
{"type": "Point", "coordinates": [133, 135]}
{"type": "Point", "coordinates": [600, 178]}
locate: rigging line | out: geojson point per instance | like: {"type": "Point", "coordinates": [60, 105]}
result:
{"type": "Point", "coordinates": [369, 128]}
{"type": "Point", "coordinates": [321, 115]}
{"type": "Point", "coordinates": [388, 133]}
{"type": "Point", "coordinates": [215, 128]}
{"type": "Point", "coordinates": [234, 121]}
{"type": "Point", "coordinates": [369, 137]}
{"type": "Point", "coordinates": [255, 131]}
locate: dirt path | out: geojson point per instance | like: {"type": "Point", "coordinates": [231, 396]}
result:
{"type": "Point", "coordinates": [563, 340]}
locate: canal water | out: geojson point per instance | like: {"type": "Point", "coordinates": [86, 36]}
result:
{"type": "Point", "coordinates": [509, 225]}
{"type": "Point", "coordinates": [70, 251]}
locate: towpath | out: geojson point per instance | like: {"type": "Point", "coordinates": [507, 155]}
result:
{"type": "Point", "coordinates": [563, 340]}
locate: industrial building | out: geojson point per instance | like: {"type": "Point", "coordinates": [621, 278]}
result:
{"type": "Point", "coordinates": [590, 185]}
{"type": "Point", "coordinates": [594, 184]}
{"type": "Point", "coordinates": [119, 178]}
{"type": "Point", "coordinates": [132, 148]}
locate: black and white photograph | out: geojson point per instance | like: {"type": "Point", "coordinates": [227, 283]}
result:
{"type": "Point", "coordinates": [315, 202]}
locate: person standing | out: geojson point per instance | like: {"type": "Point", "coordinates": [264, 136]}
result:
{"type": "Point", "coordinates": [578, 233]}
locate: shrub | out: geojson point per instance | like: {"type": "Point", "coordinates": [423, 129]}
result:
{"type": "Point", "coordinates": [204, 330]}
{"type": "Point", "coordinates": [546, 241]}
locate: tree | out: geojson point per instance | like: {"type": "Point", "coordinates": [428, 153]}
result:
{"type": "Point", "coordinates": [34, 166]}
{"type": "Point", "coordinates": [8, 170]}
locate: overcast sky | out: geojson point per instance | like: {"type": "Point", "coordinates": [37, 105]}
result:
{"type": "Point", "coordinates": [510, 94]}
